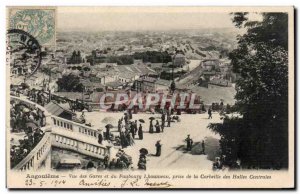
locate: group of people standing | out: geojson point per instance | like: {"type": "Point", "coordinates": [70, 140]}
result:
{"type": "Point", "coordinates": [189, 144]}
{"type": "Point", "coordinates": [28, 119]}
{"type": "Point", "coordinates": [166, 117]}
{"type": "Point", "coordinates": [131, 129]}
{"type": "Point", "coordinates": [159, 127]}
{"type": "Point", "coordinates": [37, 96]}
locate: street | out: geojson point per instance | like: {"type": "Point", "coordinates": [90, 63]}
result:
{"type": "Point", "coordinates": [174, 154]}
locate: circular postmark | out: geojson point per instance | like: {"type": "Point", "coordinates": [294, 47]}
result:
{"type": "Point", "coordinates": [37, 22]}
{"type": "Point", "coordinates": [24, 53]}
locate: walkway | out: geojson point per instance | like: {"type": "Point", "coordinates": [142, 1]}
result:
{"type": "Point", "coordinates": [173, 155]}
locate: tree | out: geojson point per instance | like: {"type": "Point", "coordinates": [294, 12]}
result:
{"type": "Point", "coordinates": [259, 137]}
{"type": "Point", "coordinates": [69, 83]}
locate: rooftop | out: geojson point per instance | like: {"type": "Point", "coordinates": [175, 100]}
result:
{"type": "Point", "coordinates": [56, 109]}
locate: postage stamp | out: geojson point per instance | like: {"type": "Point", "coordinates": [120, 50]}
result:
{"type": "Point", "coordinates": [40, 23]}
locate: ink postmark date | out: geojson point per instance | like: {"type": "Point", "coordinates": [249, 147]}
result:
{"type": "Point", "coordinates": [24, 51]}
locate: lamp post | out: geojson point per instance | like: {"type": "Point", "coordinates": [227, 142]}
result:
{"type": "Point", "coordinates": [173, 65]}
{"type": "Point", "coordinates": [48, 72]}
{"type": "Point", "coordinates": [49, 85]}
{"type": "Point", "coordinates": [173, 87]}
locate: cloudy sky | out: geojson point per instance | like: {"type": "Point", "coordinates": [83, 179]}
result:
{"type": "Point", "coordinates": [140, 18]}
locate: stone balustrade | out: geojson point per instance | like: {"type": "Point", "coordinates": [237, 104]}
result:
{"type": "Point", "coordinates": [37, 155]}
{"type": "Point", "coordinates": [80, 146]}
{"type": "Point", "coordinates": [64, 134]}
{"type": "Point", "coordinates": [72, 126]}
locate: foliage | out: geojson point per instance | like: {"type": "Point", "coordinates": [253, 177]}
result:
{"type": "Point", "coordinates": [259, 138]}
{"type": "Point", "coordinates": [69, 83]}
{"type": "Point", "coordinates": [120, 60]}
{"type": "Point", "coordinates": [153, 56]}
{"type": "Point", "coordinates": [239, 18]}
{"type": "Point", "coordinates": [148, 56]}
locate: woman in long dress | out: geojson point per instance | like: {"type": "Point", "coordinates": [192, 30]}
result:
{"type": "Point", "coordinates": [157, 127]}
{"type": "Point", "coordinates": [151, 127]}
{"type": "Point", "coordinates": [129, 139]}
{"type": "Point", "coordinates": [158, 148]}
{"type": "Point", "coordinates": [100, 138]}
{"type": "Point", "coordinates": [140, 132]}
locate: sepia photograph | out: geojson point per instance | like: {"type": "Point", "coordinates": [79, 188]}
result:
{"type": "Point", "coordinates": [150, 97]}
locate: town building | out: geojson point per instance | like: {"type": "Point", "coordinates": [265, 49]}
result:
{"type": "Point", "coordinates": [179, 60]}
{"type": "Point", "coordinates": [150, 84]}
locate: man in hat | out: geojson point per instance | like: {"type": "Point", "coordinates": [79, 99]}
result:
{"type": "Point", "coordinates": [189, 143]}
{"type": "Point", "coordinates": [209, 113]}
{"type": "Point", "coordinates": [169, 121]}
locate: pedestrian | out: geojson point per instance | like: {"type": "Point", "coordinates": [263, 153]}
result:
{"type": "Point", "coordinates": [100, 138]}
{"type": "Point", "coordinates": [203, 147]}
{"type": "Point", "coordinates": [158, 148]}
{"type": "Point", "coordinates": [189, 143]}
{"type": "Point", "coordinates": [135, 126]}
{"type": "Point", "coordinates": [128, 139]}
{"type": "Point", "coordinates": [119, 125]}
{"type": "Point", "coordinates": [132, 130]}
{"type": "Point", "coordinates": [140, 132]}
{"type": "Point", "coordinates": [126, 118]}
{"type": "Point", "coordinates": [106, 161]}
{"type": "Point", "coordinates": [162, 126]}
{"type": "Point", "coordinates": [36, 136]}
{"type": "Point", "coordinates": [82, 117]}
{"type": "Point", "coordinates": [142, 162]}
{"type": "Point", "coordinates": [169, 121]}
{"type": "Point", "coordinates": [163, 122]}
{"type": "Point", "coordinates": [107, 133]}
{"type": "Point", "coordinates": [170, 110]}
{"type": "Point", "coordinates": [130, 114]}
{"type": "Point", "coordinates": [112, 164]}
{"type": "Point", "coordinates": [123, 140]}
{"type": "Point", "coordinates": [127, 127]}
{"type": "Point", "coordinates": [163, 117]}
{"type": "Point", "coordinates": [151, 127]}
{"type": "Point", "coordinates": [209, 114]}
{"type": "Point", "coordinates": [90, 165]}
{"type": "Point", "coordinates": [157, 127]}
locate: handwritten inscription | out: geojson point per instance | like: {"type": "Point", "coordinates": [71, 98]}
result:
{"type": "Point", "coordinates": [157, 184]}
{"type": "Point", "coordinates": [122, 180]}
{"type": "Point", "coordinates": [92, 183]}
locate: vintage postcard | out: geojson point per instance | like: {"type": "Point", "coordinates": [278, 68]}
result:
{"type": "Point", "coordinates": [150, 97]}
